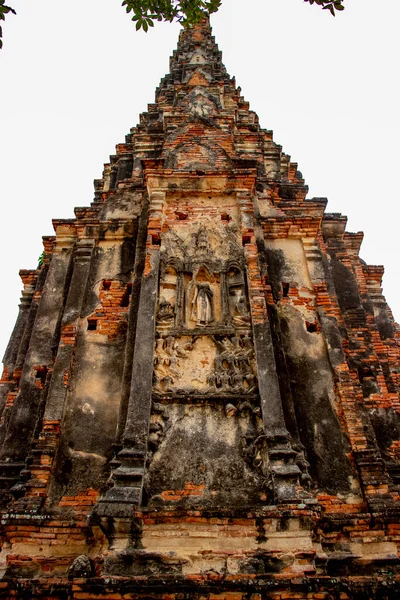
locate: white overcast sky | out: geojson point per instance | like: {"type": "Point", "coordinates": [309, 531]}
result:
{"type": "Point", "coordinates": [75, 75]}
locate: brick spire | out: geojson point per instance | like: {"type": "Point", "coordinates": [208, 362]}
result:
{"type": "Point", "coordinates": [201, 394]}
{"type": "Point", "coordinates": [196, 61]}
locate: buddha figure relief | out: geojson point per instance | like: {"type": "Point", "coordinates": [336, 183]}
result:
{"type": "Point", "coordinates": [237, 297]}
{"type": "Point", "coordinates": [238, 305]}
{"type": "Point", "coordinates": [202, 298]}
{"type": "Point", "coordinates": [202, 309]}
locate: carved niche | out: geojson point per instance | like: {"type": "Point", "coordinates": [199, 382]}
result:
{"type": "Point", "coordinates": [168, 295]}
{"type": "Point", "coordinates": [237, 297]}
{"type": "Point", "coordinates": [204, 343]}
{"type": "Point", "coordinates": [202, 283]}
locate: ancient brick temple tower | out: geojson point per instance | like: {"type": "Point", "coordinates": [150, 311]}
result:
{"type": "Point", "coordinates": [200, 398]}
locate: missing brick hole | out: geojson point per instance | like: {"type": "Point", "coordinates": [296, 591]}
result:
{"type": "Point", "coordinates": [246, 239]}
{"type": "Point", "coordinates": [41, 374]}
{"type": "Point", "coordinates": [92, 324]}
{"type": "Point", "coordinates": [106, 284]}
{"type": "Point", "coordinates": [366, 373]}
{"type": "Point", "coordinates": [285, 289]}
{"type": "Point", "coordinates": [155, 240]}
{"type": "Point", "coordinates": [127, 295]}
{"type": "Point", "coordinates": [181, 216]}
{"type": "Point", "coordinates": [312, 327]}
{"type": "Point", "coordinates": [225, 217]}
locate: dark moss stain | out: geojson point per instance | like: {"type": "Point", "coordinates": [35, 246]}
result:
{"type": "Point", "coordinates": [276, 267]}
{"type": "Point", "coordinates": [384, 324]}
{"type": "Point", "coordinates": [319, 427]}
{"type": "Point", "coordinates": [190, 454]}
{"type": "Point", "coordinates": [345, 285]}
{"type": "Point", "coordinates": [386, 424]}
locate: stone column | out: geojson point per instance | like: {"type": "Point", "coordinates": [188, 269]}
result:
{"type": "Point", "coordinates": [371, 468]}
{"type": "Point", "coordinates": [226, 315]}
{"type": "Point", "coordinates": [39, 359]}
{"type": "Point", "coordinates": [55, 404]}
{"type": "Point", "coordinates": [127, 479]}
{"type": "Point", "coordinates": [29, 279]}
{"type": "Point", "coordinates": [285, 473]}
{"type": "Point", "coordinates": [8, 380]}
{"type": "Point", "coordinates": [69, 328]}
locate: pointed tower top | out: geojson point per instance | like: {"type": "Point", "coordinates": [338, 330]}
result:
{"type": "Point", "coordinates": [197, 59]}
{"type": "Point", "coordinates": [200, 123]}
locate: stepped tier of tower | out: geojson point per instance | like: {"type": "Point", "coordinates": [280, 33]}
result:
{"type": "Point", "coordinates": [200, 398]}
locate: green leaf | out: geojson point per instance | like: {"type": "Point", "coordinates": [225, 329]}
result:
{"type": "Point", "coordinates": [330, 8]}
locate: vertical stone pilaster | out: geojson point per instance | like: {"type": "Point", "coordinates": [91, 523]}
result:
{"type": "Point", "coordinates": [69, 329]}
{"type": "Point", "coordinates": [8, 382]}
{"type": "Point", "coordinates": [285, 473]}
{"type": "Point", "coordinates": [29, 279]}
{"type": "Point", "coordinates": [180, 301]}
{"type": "Point", "coordinates": [138, 268]}
{"type": "Point", "coordinates": [45, 449]}
{"type": "Point", "coordinates": [128, 476]}
{"type": "Point", "coordinates": [127, 479]}
{"type": "Point", "coordinates": [224, 298]}
{"type": "Point", "coordinates": [373, 476]}
{"type": "Point", "coordinates": [38, 363]}
{"type": "Point", "coordinates": [34, 305]}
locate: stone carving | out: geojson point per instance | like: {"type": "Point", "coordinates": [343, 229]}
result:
{"type": "Point", "coordinates": [202, 243]}
{"type": "Point", "coordinates": [216, 243]}
{"type": "Point", "coordinates": [237, 297]}
{"type": "Point", "coordinates": [167, 362]}
{"type": "Point", "coordinates": [230, 410]}
{"type": "Point", "coordinates": [203, 364]}
{"type": "Point", "coordinates": [202, 280]}
{"type": "Point", "coordinates": [243, 409]}
{"type": "Point", "coordinates": [203, 288]}
{"type": "Point", "coordinates": [168, 296]}
{"type": "Point", "coordinates": [203, 305]}
{"type": "Point", "coordinates": [237, 303]}
{"type": "Point", "coordinates": [303, 465]}
{"type": "Point", "coordinates": [82, 566]}
{"type": "Point", "coordinates": [158, 429]}
{"type": "Point", "coordinates": [233, 366]}
{"type": "Point", "coordinates": [166, 312]}
{"type": "Point", "coordinates": [173, 246]}
{"type": "Point", "coordinates": [254, 450]}
{"type": "Point", "coordinates": [201, 106]}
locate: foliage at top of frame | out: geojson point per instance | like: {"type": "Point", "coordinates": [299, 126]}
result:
{"type": "Point", "coordinates": [189, 12]}
{"type": "Point", "coordinates": [3, 11]}
{"type": "Point", "coordinates": [186, 12]}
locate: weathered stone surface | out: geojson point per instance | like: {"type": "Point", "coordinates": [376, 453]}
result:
{"type": "Point", "coordinates": [200, 399]}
